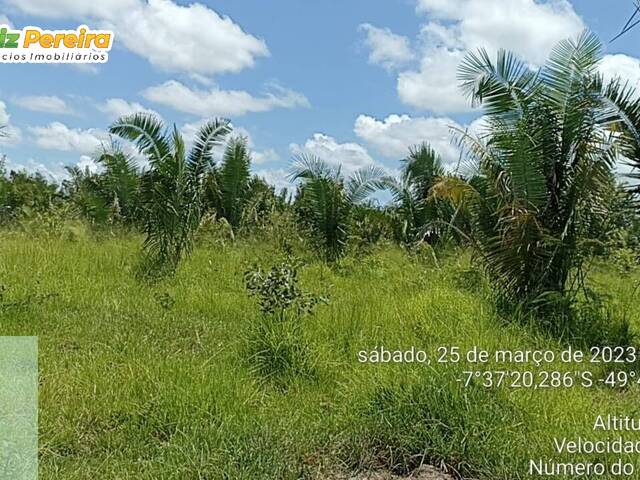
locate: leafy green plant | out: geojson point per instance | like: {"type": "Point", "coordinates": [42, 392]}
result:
{"type": "Point", "coordinates": [543, 162]}
{"type": "Point", "coordinates": [277, 348]}
{"type": "Point", "coordinates": [278, 292]}
{"type": "Point", "coordinates": [173, 189]}
{"type": "Point", "coordinates": [326, 199]}
{"type": "Point", "coordinates": [417, 212]}
{"type": "Point", "coordinates": [111, 195]}
{"type": "Point", "coordinates": [233, 180]}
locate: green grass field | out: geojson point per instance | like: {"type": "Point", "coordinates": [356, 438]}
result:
{"type": "Point", "coordinates": [154, 381]}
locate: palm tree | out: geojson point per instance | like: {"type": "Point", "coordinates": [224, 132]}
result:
{"type": "Point", "coordinates": [173, 189]}
{"type": "Point", "coordinates": [233, 180]}
{"type": "Point", "coordinates": [326, 199]}
{"type": "Point", "coordinates": [417, 211]}
{"type": "Point", "coordinates": [545, 160]}
{"type": "Point", "coordinates": [121, 183]}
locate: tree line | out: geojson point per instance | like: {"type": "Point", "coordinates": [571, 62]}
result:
{"type": "Point", "coordinates": [538, 193]}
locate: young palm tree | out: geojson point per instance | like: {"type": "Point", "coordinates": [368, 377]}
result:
{"type": "Point", "coordinates": [544, 162]}
{"type": "Point", "coordinates": [233, 180]}
{"type": "Point", "coordinates": [173, 188]}
{"type": "Point", "coordinates": [327, 198]}
{"type": "Point", "coordinates": [417, 211]}
{"type": "Point", "coordinates": [121, 183]}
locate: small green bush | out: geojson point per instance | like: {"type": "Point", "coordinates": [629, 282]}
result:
{"type": "Point", "coordinates": [277, 348]}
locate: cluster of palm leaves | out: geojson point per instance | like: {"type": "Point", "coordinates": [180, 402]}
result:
{"type": "Point", "coordinates": [173, 189]}
{"type": "Point", "coordinates": [111, 195]}
{"type": "Point", "coordinates": [326, 199]}
{"type": "Point", "coordinates": [418, 214]}
{"type": "Point", "coordinates": [540, 183]}
{"type": "Point", "coordinates": [168, 199]}
{"type": "Point", "coordinates": [542, 166]}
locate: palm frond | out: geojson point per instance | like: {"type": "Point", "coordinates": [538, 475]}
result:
{"type": "Point", "coordinates": [234, 177]}
{"type": "Point", "coordinates": [147, 132]}
{"type": "Point", "coordinates": [308, 166]}
{"type": "Point", "coordinates": [209, 136]}
{"type": "Point", "coordinates": [501, 88]}
{"type": "Point", "coordinates": [363, 182]}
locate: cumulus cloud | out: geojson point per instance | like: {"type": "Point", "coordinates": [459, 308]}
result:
{"type": "Point", "coordinates": [53, 173]}
{"type": "Point", "coordinates": [218, 102]}
{"type": "Point", "coordinates": [622, 67]}
{"type": "Point", "coordinates": [44, 103]}
{"type": "Point", "coordinates": [10, 134]}
{"type": "Point", "coordinates": [87, 162]}
{"type": "Point", "coordinates": [393, 136]}
{"type": "Point", "coordinates": [118, 107]}
{"type": "Point", "coordinates": [387, 49]}
{"type": "Point", "coordinates": [278, 177]}
{"type": "Point", "coordinates": [260, 157]}
{"type": "Point", "coordinates": [434, 86]}
{"type": "Point", "coordinates": [348, 156]}
{"type": "Point", "coordinates": [201, 40]}
{"type": "Point", "coordinates": [58, 136]}
{"type": "Point", "coordinates": [530, 28]}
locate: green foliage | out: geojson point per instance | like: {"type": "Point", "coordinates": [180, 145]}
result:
{"type": "Point", "coordinates": [419, 215]}
{"type": "Point", "coordinates": [112, 195]}
{"type": "Point", "coordinates": [277, 347]}
{"type": "Point", "coordinates": [326, 200]}
{"type": "Point", "coordinates": [544, 163]}
{"type": "Point", "coordinates": [173, 190]}
{"type": "Point", "coordinates": [234, 180]}
{"type": "Point", "coordinates": [25, 195]}
{"type": "Point", "coordinates": [278, 292]}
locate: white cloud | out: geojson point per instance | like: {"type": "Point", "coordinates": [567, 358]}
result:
{"type": "Point", "coordinates": [393, 136]}
{"type": "Point", "coordinates": [174, 37]}
{"type": "Point", "coordinates": [530, 28]}
{"type": "Point", "coordinates": [44, 103]}
{"type": "Point", "coordinates": [386, 48]}
{"type": "Point", "coordinates": [11, 134]}
{"type": "Point", "coordinates": [31, 166]}
{"type": "Point", "coordinates": [87, 162]}
{"type": "Point", "coordinates": [279, 178]}
{"type": "Point", "coordinates": [4, 20]}
{"type": "Point", "coordinates": [265, 156]}
{"type": "Point", "coordinates": [348, 156]}
{"type": "Point", "coordinates": [205, 42]}
{"type": "Point", "coordinates": [58, 136]}
{"type": "Point", "coordinates": [434, 86]}
{"type": "Point", "coordinates": [626, 68]}
{"type": "Point", "coordinates": [217, 102]}
{"type": "Point", "coordinates": [118, 107]}
{"type": "Point", "coordinates": [88, 68]}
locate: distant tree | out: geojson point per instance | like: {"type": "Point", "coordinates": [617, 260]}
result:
{"type": "Point", "coordinates": [326, 199]}
{"type": "Point", "coordinates": [417, 213]}
{"type": "Point", "coordinates": [173, 190]}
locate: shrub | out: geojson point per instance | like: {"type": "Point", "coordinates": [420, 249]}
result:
{"type": "Point", "coordinates": [277, 347]}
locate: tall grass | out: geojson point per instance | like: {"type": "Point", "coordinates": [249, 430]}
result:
{"type": "Point", "coordinates": [136, 386]}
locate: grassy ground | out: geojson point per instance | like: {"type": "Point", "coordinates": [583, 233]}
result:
{"type": "Point", "coordinates": [143, 381]}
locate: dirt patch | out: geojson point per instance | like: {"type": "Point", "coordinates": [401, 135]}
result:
{"type": "Point", "coordinates": [423, 473]}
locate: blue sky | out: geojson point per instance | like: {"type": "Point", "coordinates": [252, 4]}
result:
{"type": "Point", "coordinates": [355, 81]}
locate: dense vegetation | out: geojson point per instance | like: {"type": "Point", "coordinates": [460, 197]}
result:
{"type": "Point", "coordinates": [242, 363]}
